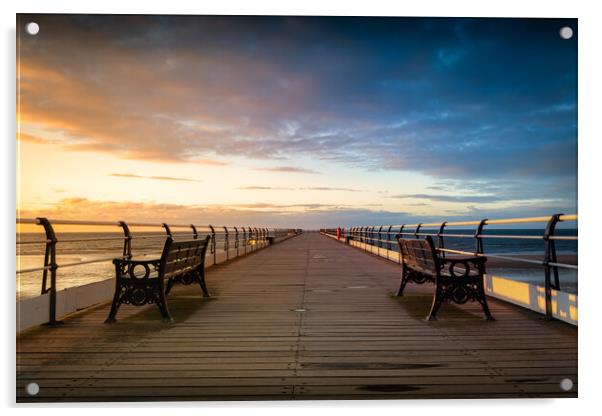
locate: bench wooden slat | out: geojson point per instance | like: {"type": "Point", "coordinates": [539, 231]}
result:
{"type": "Point", "coordinates": [418, 256]}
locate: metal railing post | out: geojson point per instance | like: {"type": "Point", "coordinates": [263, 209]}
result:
{"type": "Point", "coordinates": [477, 235]}
{"type": "Point", "coordinates": [49, 264]}
{"type": "Point", "coordinates": [440, 242]}
{"type": "Point", "coordinates": [236, 241]}
{"type": "Point", "coordinates": [213, 247]}
{"type": "Point", "coordinates": [389, 238]}
{"type": "Point", "coordinates": [550, 257]}
{"type": "Point", "coordinates": [167, 229]}
{"type": "Point", "coordinates": [244, 239]}
{"type": "Point", "coordinates": [226, 243]}
{"type": "Point", "coordinates": [401, 230]}
{"type": "Point", "coordinates": [127, 242]}
{"type": "Point", "coordinates": [417, 231]}
{"type": "Point", "coordinates": [195, 234]}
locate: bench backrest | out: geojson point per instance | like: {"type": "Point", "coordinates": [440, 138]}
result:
{"type": "Point", "coordinates": [419, 255]}
{"type": "Point", "coordinates": [180, 257]}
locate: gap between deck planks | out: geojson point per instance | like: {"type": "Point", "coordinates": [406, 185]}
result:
{"type": "Point", "coordinates": [355, 340]}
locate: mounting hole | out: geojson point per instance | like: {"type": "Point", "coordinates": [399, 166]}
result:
{"type": "Point", "coordinates": [32, 389]}
{"type": "Point", "coordinates": [566, 32]}
{"type": "Point", "coordinates": [32, 28]}
{"type": "Point", "coordinates": [566, 384]}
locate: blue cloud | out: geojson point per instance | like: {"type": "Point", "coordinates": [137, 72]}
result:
{"type": "Point", "coordinates": [462, 99]}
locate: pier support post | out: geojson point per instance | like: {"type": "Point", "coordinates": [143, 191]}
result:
{"type": "Point", "coordinates": [417, 231]}
{"type": "Point", "coordinates": [236, 241]}
{"type": "Point", "coordinates": [389, 238]}
{"type": "Point", "coordinates": [127, 241]}
{"type": "Point", "coordinates": [213, 250]}
{"type": "Point", "coordinates": [550, 257]}
{"type": "Point", "coordinates": [244, 239]}
{"type": "Point", "coordinates": [226, 243]}
{"type": "Point", "coordinates": [477, 235]}
{"type": "Point", "coordinates": [440, 241]}
{"type": "Point", "coordinates": [49, 265]}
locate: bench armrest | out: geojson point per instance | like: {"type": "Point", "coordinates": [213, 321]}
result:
{"type": "Point", "coordinates": [466, 263]}
{"type": "Point", "coordinates": [127, 267]}
{"type": "Point", "coordinates": [472, 259]}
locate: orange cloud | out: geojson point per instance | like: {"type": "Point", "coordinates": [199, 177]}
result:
{"type": "Point", "coordinates": [314, 215]}
{"type": "Point", "coordinates": [307, 188]}
{"type": "Point", "coordinates": [255, 214]}
{"type": "Point", "coordinates": [161, 178]}
{"type": "Point", "coordinates": [96, 93]}
{"type": "Point", "coordinates": [33, 139]}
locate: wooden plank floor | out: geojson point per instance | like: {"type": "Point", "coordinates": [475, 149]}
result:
{"type": "Point", "coordinates": [309, 318]}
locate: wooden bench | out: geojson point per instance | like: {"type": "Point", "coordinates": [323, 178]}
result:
{"type": "Point", "coordinates": [141, 282]}
{"type": "Point", "coordinates": [457, 279]}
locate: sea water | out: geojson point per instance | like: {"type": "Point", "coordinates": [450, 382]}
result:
{"type": "Point", "coordinates": [510, 247]}
{"type": "Point", "coordinates": [97, 246]}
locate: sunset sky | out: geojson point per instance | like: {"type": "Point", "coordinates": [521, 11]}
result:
{"type": "Point", "coordinates": [302, 122]}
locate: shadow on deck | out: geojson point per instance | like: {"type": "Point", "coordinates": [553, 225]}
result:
{"type": "Point", "coordinates": [305, 319]}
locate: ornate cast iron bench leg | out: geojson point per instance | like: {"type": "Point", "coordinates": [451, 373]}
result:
{"type": "Point", "coordinates": [437, 301]}
{"type": "Point", "coordinates": [405, 276]}
{"type": "Point", "coordinates": [201, 279]}
{"type": "Point", "coordinates": [116, 298]}
{"type": "Point", "coordinates": [137, 290]}
{"type": "Point", "coordinates": [114, 308]}
{"type": "Point", "coordinates": [459, 291]}
{"type": "Point", "coordinates": [188, 279]}
{"type": "Point", "coordinates": [482, 299]}
{"type": "Point", "coordinates": [409, 275]}
{"type": "Point", "coordinates": [162, 304]}
{"type": "Point", "coordinates": [170, 284]}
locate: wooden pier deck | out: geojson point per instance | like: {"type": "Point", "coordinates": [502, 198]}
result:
{"type": "Point", "coordinates": [309, 318]}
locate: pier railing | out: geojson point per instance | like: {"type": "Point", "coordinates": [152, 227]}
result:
{"type": "Point", "coordinates": [226, 242]}
{"type": "Point", "coordinates": [381, 240]}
